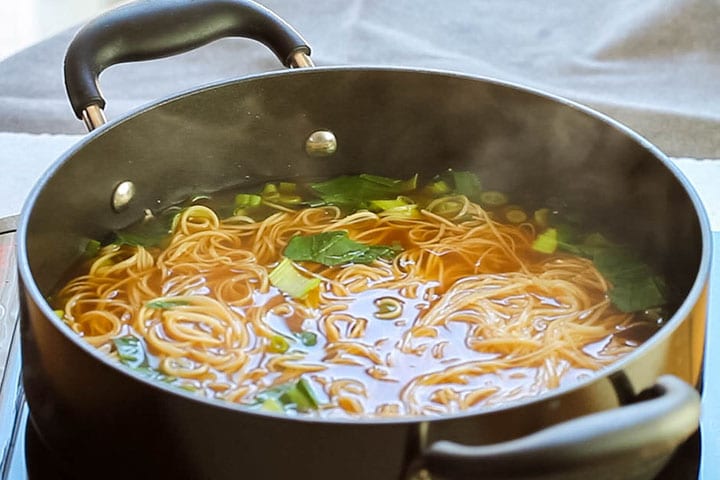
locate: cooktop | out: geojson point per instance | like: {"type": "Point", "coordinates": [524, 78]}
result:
{"type": "Point", "coordinates": [23, 456]}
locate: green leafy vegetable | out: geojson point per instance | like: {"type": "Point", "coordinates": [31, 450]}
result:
{"type": "Point", "coordinates": [467, 183]}
{"type": "Point", "coordinates": [335, 248]}
{"type": "Point", "coordinates": [635, 286]}
{"type": "Point", "coordinates": [298, 395]}
{"type": "Point", "coordinates": [151, 233]}
{"type": "Point", "coordinates": [289, 280]}
{"type": "Point", "coordinates": [355, 192]}
{"type": "Point", "coordinates": [141, 238]}
{"type": "Point", "coordinates": [153, 374]}
{"type": "Point", "coordinates": [165, 304]}
{"type": "Point", "coordinates": [131, 352]}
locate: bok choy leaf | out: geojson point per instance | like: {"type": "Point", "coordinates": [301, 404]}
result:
{"type": "Point", "coordinates": [634, 284]}
{"type": "Point", "coordinates": [288, 279]}
{"type": "Point", "coordinates": [336, 248]}
{"type": "Point", "coordinates": [131, 352]}
{"type": "Point", "coordinates": [299, 395]}
{"type": "Point", "coordinates": [355, 192]}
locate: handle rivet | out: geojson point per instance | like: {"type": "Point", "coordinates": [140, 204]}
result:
{"type": "Point", "coordinates": [321, 143]}
{"type": "Point", "coordinates": [123, 193]}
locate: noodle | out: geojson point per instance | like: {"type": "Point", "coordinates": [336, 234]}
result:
{"type": "Point", "coordinates": [466, 315]}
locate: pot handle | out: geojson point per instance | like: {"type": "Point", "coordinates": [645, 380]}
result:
{"type": "Point", "coordinates": [598, 445]}
{"type": "Point", "coordinates": [146, 30]}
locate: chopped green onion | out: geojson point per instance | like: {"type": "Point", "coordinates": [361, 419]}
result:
{"type": "Point", "coordinates": [403, 211]}
{"type": "Point", "coordinates": [289, 280]}
{"type": "Point", "coordinates": [309, 339]}
{"type": "Point", "coordinates": [59, 313]}
{"type": "Point", "coordinates": [278, 344]}
{"type": "Point", "coordinates": [388, 308]}
{"type": "Point", "coordinates": [92, 247]}
{"type": "Point", "coordinates": [380, 205]}
{"type": "Point", "coordinates": [546, 242]}
{"type": "Point", "coordinates": [493, 199]}
{"type": "Point", "coordinates": [272, 404]}
{"type": "Point", "coordinates": [438, 188]}
{"type": "Point", "coordinates": [402, 207]}
{"type": "Point", "coordinates": [287, 187]}
{"type": "Point", "coordinates": [298, 394]}
{"type": "Point", "coordinates": [161, 304]}
{"type": "Point", "coordinates": [448, 208]}
{"type": "Point", "coordinates": [542, 217]}
{"type": "Point", "coordinates": [302, 396]}
{"type": "Point", "coordinates": [284, 194]}
{"type": "Point", "coordinates": [515, 215]}
{"type": "Point", "coordinates": [270, 190]}
{"type": "Point", "coordinates": [245, 200]}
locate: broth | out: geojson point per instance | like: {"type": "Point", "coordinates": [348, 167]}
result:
{"type": "Point", "coordinates": [367, 296]}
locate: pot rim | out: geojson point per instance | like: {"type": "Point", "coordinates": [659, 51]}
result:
{"type": "Point", "coordinates": [683, 311]}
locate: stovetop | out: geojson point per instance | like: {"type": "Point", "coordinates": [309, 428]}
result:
{"type": "Point", "coordinates": [23, 456]}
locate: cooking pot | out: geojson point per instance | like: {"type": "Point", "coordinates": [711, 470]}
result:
{"type": "Point", "coordinates": [102, 420]}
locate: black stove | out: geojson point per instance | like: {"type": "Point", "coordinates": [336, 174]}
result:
{"type": "Point", "coordinates": [23, 455]}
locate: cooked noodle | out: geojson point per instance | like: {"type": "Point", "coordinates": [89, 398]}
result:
{"type": "Point", "coordinates": [469, 314]}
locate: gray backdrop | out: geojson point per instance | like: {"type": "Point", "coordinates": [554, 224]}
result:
{"type": "Point", "coordinates": [652, 64]}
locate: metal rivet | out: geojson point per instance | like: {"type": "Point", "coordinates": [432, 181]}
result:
{"type": "Point", "coordinates": [321, 143]}
{"type": "Point", "coordinates": [124, 192]}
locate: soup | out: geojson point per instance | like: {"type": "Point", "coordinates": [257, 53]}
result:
{"type": "Point", "coordinates": [363, 296]}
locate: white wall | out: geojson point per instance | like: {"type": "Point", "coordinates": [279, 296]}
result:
{"type": "Point", "coordinates": [25, 22]}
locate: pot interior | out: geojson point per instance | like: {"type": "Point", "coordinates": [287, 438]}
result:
{"type": "Point", "coordinates": [388, 122]}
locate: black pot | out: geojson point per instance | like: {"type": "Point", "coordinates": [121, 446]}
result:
{"type": "Point", "coordinates": [102, 420]}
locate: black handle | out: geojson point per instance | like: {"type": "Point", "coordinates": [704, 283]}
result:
{"type": "Point", "coordinates": [150, 29]}
{"type": "Point", "coordinates": [599, 445]}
